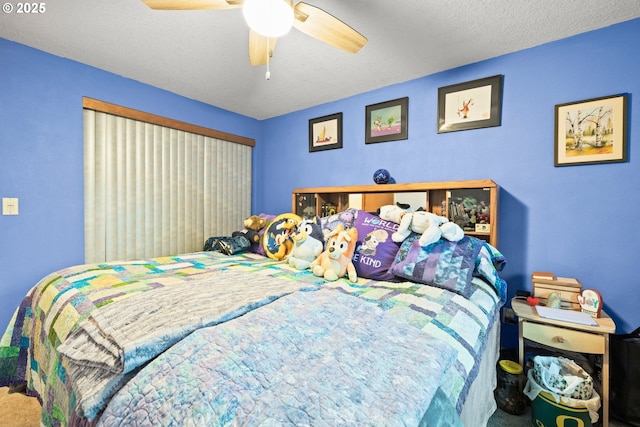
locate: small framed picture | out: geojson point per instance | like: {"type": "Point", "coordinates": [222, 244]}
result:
{"type": "Point", "coordinates": [591, 131]}
{"type": "Point", "coordinates": [387, 121]}
{"type": "Point", "coordinates": [470, 105]}
{"type": "Point", "coordinates": [325, 133]}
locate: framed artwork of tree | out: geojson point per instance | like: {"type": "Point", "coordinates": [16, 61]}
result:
{"type": "Point", "coordinates": [591, 131]}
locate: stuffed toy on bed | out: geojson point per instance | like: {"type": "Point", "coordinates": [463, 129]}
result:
{"type": "Point", "coordinates": [252, 226]}
{"type": "Point", "coordinates": [277, 240]}
{"type": "Point", "coordinates": [431, 226]}
{"type": "Point", "coordinates": [335, 262]}
{"type": "Point", "coordinates": [308, 243]}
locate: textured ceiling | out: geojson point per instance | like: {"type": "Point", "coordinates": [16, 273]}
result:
{"type": "Point", "coordinates": [203, 55]}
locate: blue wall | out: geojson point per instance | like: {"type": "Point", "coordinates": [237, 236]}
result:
{"type": "Point", "coordinates": [41, 156]}
{"type": "Point", "coordinates": [563, 219]}
{"type": "Point", "coordinates": [570, 220]}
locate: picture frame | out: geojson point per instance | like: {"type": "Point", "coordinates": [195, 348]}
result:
{"type": "Point", "coordinates": [325, 133]}
{"type": "Point", "coordinates": [602, 126]}
{"type": "Point", "coordinates": [471, 105]}
{"type": "Point", "coordinates": [387, 121]}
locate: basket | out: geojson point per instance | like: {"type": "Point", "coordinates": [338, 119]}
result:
{"type": "Point", "coordinates": [562, 376]}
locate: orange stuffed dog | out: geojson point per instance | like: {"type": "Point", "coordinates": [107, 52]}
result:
{"type": "Point", "coordinates": [335, 262]}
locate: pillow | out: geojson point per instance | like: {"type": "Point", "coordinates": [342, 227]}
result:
{"type": "Point", "coordinates": [257, 247]}
{"type": "Point", "coordinates": [375, 251]}
{"type": "Point", "coordinates": [445, 264]}
{"type": "Point", "coordinates": [490, 261]}
{"type": "Point", "coordinates": [346, 218]}
{"type": "Point", "coordinates": [277, 241]}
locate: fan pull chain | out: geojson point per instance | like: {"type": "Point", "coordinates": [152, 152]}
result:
{"type": "Point", "coordinates": [267, 76]}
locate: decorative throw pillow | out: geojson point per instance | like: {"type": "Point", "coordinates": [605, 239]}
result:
{"type": "Point", "coordinates": [375, 251]}
{"type": "Point", "coordinates": [257, 247]}
{"type": "Point", "coordinates": [277, 240]}
{"type": "Point", "coordinates": [445, 264]}
{"type": "Point", "coordinates": [489, 262]}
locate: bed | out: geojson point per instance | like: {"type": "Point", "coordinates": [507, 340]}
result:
{"type": "Point", "coordinates": [207, 339]}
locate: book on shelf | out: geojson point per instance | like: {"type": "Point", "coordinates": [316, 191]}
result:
{"type": "Point", "coordinates": [552, 279]}
{"type": "Point", "coordinates": [544, 275]}
{"type": "Point", "coordinates": [568, 288]}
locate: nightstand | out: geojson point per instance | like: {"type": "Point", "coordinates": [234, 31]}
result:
{"type": "Point", "coordinates": [567, 336]}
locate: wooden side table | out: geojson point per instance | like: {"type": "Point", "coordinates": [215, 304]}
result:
{"type": "Point", "coordinates": [567, 336]}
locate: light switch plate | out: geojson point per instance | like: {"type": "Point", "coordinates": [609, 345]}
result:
{"type": "Point", "coordinates": [9, 206]}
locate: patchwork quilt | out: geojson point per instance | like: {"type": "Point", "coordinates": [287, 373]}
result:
{"type": "Point", "coordinates": [309, 358]}
{"type": "Point", "coordinates": [103, 347]}
{"type": "Point", "coordinates": [462, 323]}
{"type": "Point", "coordinates": [83, 332]}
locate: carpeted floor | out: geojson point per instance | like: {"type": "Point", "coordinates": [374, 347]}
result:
{"type": "Point", "coordinates": [18, 410]}
{"type": "Point", "coordinates": [503, 419]}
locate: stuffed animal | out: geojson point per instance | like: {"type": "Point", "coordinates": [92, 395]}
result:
{"type": "Point", "coordinates": [346, 218]}
{"type": "Point", "coordinates": [308, 243]}
{"type": "Point", "coordinates": [252, 226]}
{"type": "Point", "coordinates": [431, 226]}
{"type": "Point", "coordinates": [335, 261]}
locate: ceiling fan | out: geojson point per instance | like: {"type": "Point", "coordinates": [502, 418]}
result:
{"type": "Point", "coordinates": [311, 20]}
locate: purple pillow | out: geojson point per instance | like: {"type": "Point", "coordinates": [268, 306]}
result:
{"type": "Point", "coordinates": [257, 247]}
{"type": "Point", "coordinates": [375, 251]}
{"type": "Point", "coordinates": [445, 264]}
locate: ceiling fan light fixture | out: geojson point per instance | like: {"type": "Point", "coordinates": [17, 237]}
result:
{"type": "Point", "coordinates": [270, 18]}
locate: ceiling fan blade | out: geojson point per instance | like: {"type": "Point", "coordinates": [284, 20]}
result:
{"type": "Point", "coordinates": [192, 4]}
{"type": "Point", "coordinates": [260, 48]}
{"type": "Point", "coordinates": [325, 27]}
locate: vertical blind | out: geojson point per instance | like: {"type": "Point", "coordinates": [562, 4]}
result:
{"type": "Point", "coordinates": [152, 190]}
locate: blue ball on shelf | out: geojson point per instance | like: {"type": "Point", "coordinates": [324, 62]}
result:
{"type": "Point", "coordinates": [381, 176]}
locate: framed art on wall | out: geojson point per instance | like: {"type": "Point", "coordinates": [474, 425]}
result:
{"type": "Point", "coordinates": [591, 131]}
{"type": "Point", "coordinates": [325, 133]}
{"type": "Point", "coordinates": [387, 121]}
{"type": "Point", "coordinates": [470, 105]}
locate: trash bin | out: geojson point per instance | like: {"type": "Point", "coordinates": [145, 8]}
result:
{"type": "Point", "coordinates": [508, 394]}
{"type": "Point", "coordinates": [551, 394]}
{"type": "Point", "coordinates": [625, 377]}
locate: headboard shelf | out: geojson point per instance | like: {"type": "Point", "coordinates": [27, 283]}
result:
{"type": "Point", "coordinates": [473, 204]}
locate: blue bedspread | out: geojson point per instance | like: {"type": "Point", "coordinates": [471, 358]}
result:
{"type": "Point", "coordinates": [309, 358]}
{"type": "Point", "coordinates": [118, 316]}
{"type": "Point", "coordinates": [108, 318]}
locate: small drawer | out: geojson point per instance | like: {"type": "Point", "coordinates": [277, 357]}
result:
{"type": "Point", "coordinates": [564, 339]}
